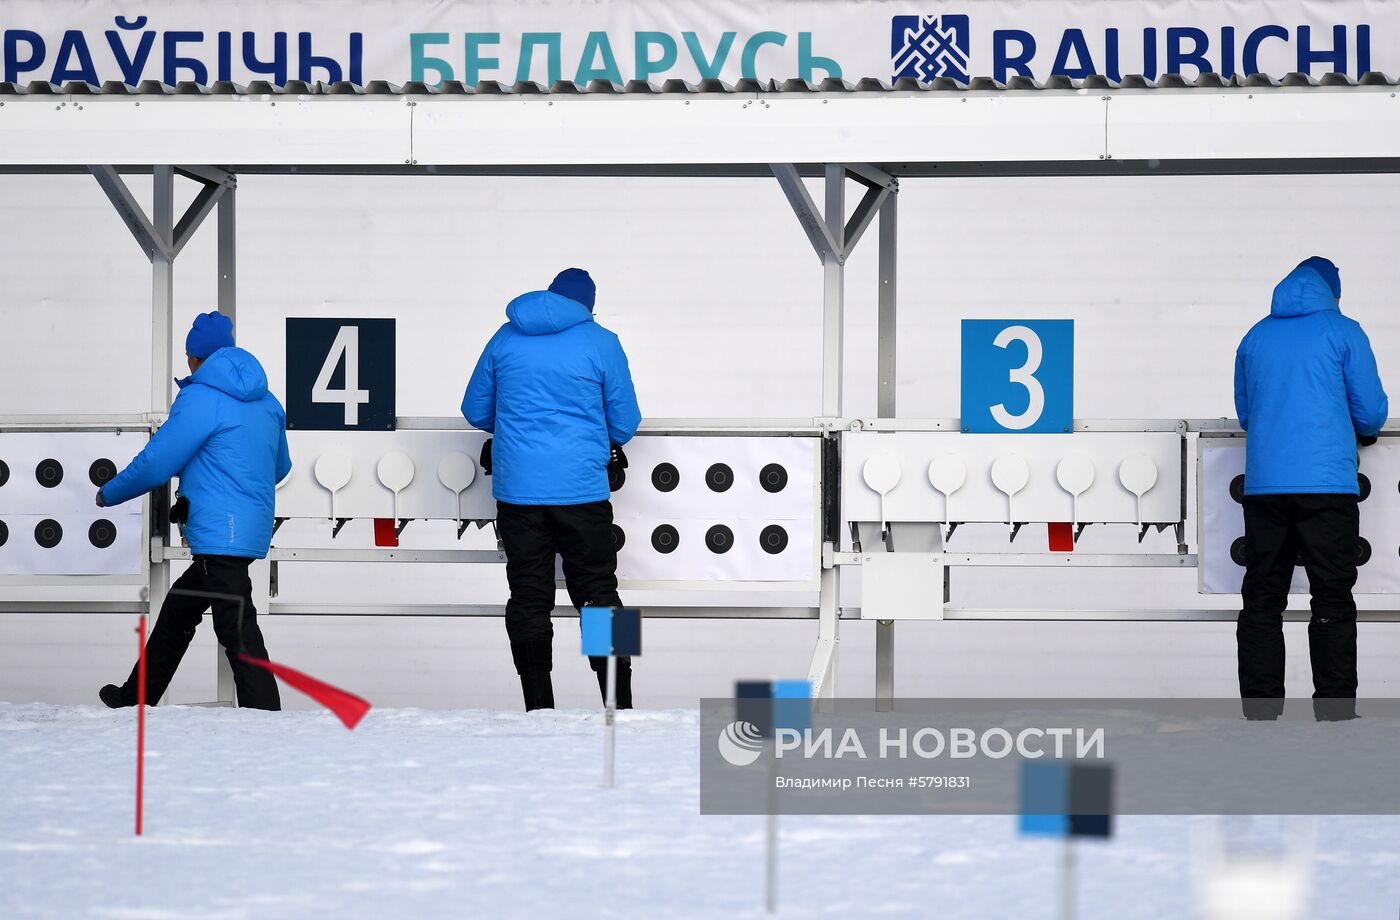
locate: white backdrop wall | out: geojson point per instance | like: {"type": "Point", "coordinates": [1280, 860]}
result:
{"type": "Point", "coordinates": [716, 295]}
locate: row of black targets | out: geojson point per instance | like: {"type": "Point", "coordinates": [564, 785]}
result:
{"type": "Point", "coordinates": [48, 533]}
{"type": "Point", "coordinates": [1363, 552]}
{"type": "Point", "coordinates": [719, 539]}
{"type": "Point", "coordinates": [49, 473]}
{"type": "Point", "coordinates": [719, 477]}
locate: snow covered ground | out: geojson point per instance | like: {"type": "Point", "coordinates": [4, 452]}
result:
{"type": "Point", "coordinates": [499, 814]}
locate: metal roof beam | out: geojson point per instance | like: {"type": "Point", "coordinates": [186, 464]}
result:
{"type": "Point", "coordinates": [865, 212]}
{"type": "Point", "coordinates": [806, 210]}
{"type": "Point", "coordinates": [199, 209]}
{"type": "Point", "coordinates": [131, 212]}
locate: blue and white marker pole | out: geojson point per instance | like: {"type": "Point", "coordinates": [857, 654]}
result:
{"type": "Point", "coordinates": [611, 631]}
{"type": "Point", "coordinates": [771, 706]}
{"type": "Point", "coordinates": [1067, 800]}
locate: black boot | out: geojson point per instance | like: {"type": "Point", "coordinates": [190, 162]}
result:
{"type": "Point", "coordinates": [111, 695]}
{"type": "Point", "coordinates": [534, 659]}
{"type": "Point", "coordinates": [623, 685]}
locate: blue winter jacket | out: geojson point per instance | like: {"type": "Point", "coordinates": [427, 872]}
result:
{"type": "Point", "coordinates": [1305, 386]}
{"type": "Point", "coordinates": [553, 387]}
{"type": "Point", "coordinates": [226, 439]}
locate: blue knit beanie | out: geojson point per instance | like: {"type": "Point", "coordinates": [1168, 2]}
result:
{"type": "Point", "coordinates": [575, 284]}
{"type": "Point", "coordinates": [1328, 271]}
{"type": "Point", "coordinates": [210, 332]}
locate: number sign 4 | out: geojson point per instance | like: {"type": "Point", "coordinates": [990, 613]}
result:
{"type": "Point", "coordinates": [340, 374]}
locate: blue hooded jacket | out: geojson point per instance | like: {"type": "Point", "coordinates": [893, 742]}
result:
{"type": "Point", "coordinates": [226, 439]}
{"type": "Point", "coordinates": [554, 388]}
{"type": "Point", "coordinates": [1306, 386]}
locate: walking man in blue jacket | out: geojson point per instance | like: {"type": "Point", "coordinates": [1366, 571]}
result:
{"type": "Point", "coordinates": [1307, 392]}
{"type": "Point", "coordinates": [554, 389]}
{"type": "Point", "coordinates": [226, 440]}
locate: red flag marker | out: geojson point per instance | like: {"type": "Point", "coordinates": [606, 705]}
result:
{"type": "Point", "coordinates": [385, 532]}
{"type": "Point", "coordinates": [140, 721]}
{"type": "Point", "coordinates": [348, 707]}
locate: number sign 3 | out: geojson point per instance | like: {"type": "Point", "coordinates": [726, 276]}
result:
{"type": "Point", "coordinates": [340, 374]}
{"type": "Point", "coordinates": [1017, 375]}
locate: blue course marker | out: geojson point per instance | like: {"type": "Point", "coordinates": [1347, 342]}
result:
{"type": "Point", "coordinates": [792, 705]}
{"type": "Point", "coordinates": [1061, 799]}
{"type": "Point", "coordinates": [597, 629]}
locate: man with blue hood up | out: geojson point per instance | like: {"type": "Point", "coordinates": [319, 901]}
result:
{"type": "Point", "coordinates": [1307, 392]}
{"type": "Point", "coordinates": [554, 389]}
{"type": "Point", "coordinates": [226, 440]}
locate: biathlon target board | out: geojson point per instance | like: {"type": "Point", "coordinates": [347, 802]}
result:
{"type": "Point", "coordinates": [340, 374]}
{"type": "Point", "coordinates": [1220, 485]}
{"type": "Point", "coordinates": [49, 520]}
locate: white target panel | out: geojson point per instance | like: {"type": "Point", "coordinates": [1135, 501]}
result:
{"type": "Point", "coordinates": [1220, 484]}
{"type": "Point", "coordinates": [49, 522]}
{"type": "Point", "coordinates": [1089, 477]}
{"type": "Point", "coordinates": [444, 480]}
{"type": "Point", "coordinates": [686, 509]}
{"type": "Point", "coordinates": [696, 508]}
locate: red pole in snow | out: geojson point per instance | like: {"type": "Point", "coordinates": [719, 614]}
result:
{"type": "Point", "coordinates": [140, 721]}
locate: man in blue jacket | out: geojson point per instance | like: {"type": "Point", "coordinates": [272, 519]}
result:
{"type": "Point", "coordinates": [553, 387]}
{"type": "Point", "coordinates": [1307, 392]}
{"type": "Point", "coordinates": [226, 440]}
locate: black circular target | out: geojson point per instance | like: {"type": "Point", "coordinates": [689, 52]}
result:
{"type": "Point", "coordinates": [48, 533]}
{"type": "Point", "coordinates": [4, 472]}
{"type": "Point", "coordinates": [719, 477]}
{"type": "Point", "coordinates": [49, 473]}
{"type": "Point", "coordinates": [1363, 551]}
{"type": "Point", "coordinates": [619, 538]}
{"type": "Point", "coordinates": [773, 539]}
{"type": "Point", "coordinates": [1364, 484]}
{"type": "Point", "coordinates": [719, 539]}
{"type": "Point", "coordinates": [1237, 489]}
{"type": "Point", "coordinates": [773, 477]}
{"type": "Point", "coordinates": [665, 477]}
{"type": "Point", "coordinates": [1237, 551]}
{"type": "Point", "coordinates": [665, 539]}
{"type": "Point", "coordinates": [616, 478]}
{"type": "Point", "coordinates": [4, 533]}
{"type": "Point", "coordinates": [102, 533]}
{"type": "Point", "coordinates": [101, 472]}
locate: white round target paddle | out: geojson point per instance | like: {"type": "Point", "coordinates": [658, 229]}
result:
{"type": "Point", "coordinates": [333, 474]}
{"type": "Point", "coordinates": [1075, 474]}
{"type": "Point", "coordinates": [457, 471]}
{"type": "Point", "coordinates": [1138, 474]}
{"type": "Point", "coordinates": [947, 474]}
{"type": "Point", "coordinates": [1010, 475]}
{"type": "Point", "coordinates": [396, 473]}
{"type": "Point", "coordinates": [881, 473]}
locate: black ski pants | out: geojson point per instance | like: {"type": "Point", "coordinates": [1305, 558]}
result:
{"type": "Point", "coordinates": [532, 534]}
{"type": "Point", "coordinates": [1324, 529]}
{"type": "Point", "coordinates": [220, 583]}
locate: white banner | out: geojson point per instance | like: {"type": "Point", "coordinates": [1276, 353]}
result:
{"type": "Point", "coordinates": [621, 40]}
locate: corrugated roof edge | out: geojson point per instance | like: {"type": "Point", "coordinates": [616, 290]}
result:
{"type": "Point", "coordinates": [679, 87]}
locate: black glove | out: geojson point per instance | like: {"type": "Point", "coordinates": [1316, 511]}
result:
{"type": "Point", "coordinates": [180, 511]}
{"type": "Point", "coordinates": [486, 457]}
{"type": "Point", "coordinates": [617, 465]}
{"type": "Point", "coordinates": [1365, 440]}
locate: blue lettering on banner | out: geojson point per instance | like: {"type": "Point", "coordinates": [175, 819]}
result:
{"type": "Point", "coordinates": [1018, 375]}
{"type": "Point", "coordinates": [934, 45]}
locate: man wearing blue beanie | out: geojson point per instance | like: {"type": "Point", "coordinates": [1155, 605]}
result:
{"type": "Point", "coordinates": [1307, 392]}
{"type": "Point", "coordinates": [554, 388]}
{"type": "Point", "coordinates": [226, 441]}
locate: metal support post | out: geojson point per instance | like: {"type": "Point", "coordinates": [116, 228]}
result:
{"type": "Point", "coordinates": [162, 317]}
{"type": "Point", "coordinates": [886, 339]}
{"type": "Point", "coordinates": [259, 572]}
{"type": "Point", "coordinates": [826, 658]}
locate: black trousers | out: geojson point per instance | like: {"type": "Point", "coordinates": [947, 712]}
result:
{"type": "Point", "coordinates": [1324, 529]}
{"type": "Point", "coordinates": [220, 583]}
{"type": "Point", "coordinates": [532, 534]}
